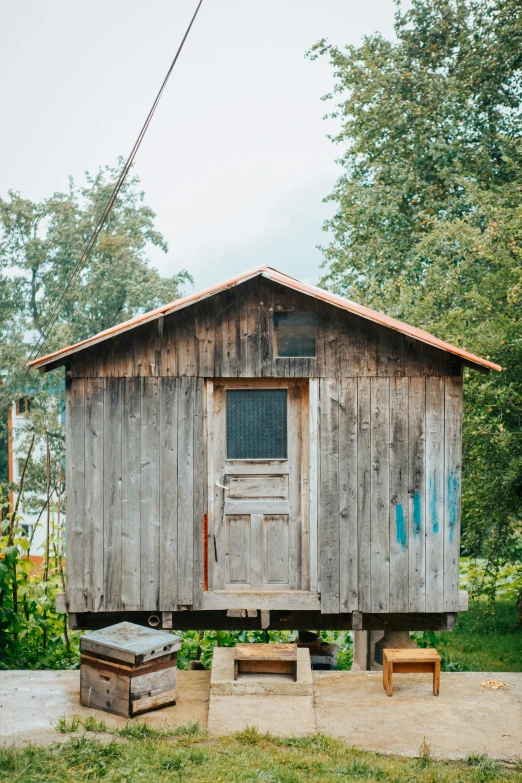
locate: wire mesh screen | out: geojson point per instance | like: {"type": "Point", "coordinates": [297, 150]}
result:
{"type": "Point", "coordinates": [256, 424]}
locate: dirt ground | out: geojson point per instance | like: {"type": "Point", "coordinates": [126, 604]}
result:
{"type": "Point", "coordinates": [465, 719]}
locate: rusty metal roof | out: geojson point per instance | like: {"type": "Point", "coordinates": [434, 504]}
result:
{"type": "Point", "coordinates": [278, 277]}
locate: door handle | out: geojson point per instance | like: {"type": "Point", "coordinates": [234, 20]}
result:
{"type": "Point", "coordinates": [222, 486]}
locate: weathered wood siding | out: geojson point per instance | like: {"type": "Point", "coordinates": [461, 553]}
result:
{"type": "Point", "coordinates": [389, 494]}
{"type": "Point", "coordinates": [137, 493]}
{"type": "Point", "coordinates": [231, 335]}
{"type": "Point", "coordinates": [384, 451]}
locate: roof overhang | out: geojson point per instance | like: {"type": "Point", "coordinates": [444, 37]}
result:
{"type": "Point", "coordinates": [58, 358]}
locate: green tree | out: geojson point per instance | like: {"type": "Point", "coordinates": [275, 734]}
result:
{"type": "Point", "coordinates": [428, 220]}
{"type": "Point", "coordinates": [40, 244]}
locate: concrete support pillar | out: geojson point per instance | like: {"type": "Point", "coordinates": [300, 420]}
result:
{"type": "Point", "coordinates": [396, 639]}
{"type": "Point", "coordinates": [368, 647]}
{"type": "Point", "coordinates": [363, 650]}
{"type": "Point", "coordinates": [360, 651]}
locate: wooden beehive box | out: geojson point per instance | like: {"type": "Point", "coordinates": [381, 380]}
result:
{"type": "Point", "coordinates": [128, 669]}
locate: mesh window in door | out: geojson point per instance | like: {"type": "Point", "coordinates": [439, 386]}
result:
{"type": "Point", "coordinates": [256, 424]}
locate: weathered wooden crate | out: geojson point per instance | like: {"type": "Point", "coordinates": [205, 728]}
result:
{"type": "Point", "coordinates": [128, 669]}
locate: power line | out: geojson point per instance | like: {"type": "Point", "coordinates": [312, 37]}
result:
{"type": "Point", "coordinates": [89, 246]}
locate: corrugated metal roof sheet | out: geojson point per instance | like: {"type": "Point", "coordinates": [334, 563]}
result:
{"type": "Point", "coordinates": [278, 277]}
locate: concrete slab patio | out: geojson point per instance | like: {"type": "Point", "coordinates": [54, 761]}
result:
{"type": "Point", "coordinates": [466, 718]}
{"type": "Point", "coordinates": [32, 702]}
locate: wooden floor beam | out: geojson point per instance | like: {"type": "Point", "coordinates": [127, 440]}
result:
{"type": "Point", "coordinates": [279, 620]}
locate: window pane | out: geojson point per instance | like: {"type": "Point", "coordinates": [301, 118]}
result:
{"type": "Point", "coordinates": [294, 334]}
{"type": "Point", "coordinates": [256, 424]}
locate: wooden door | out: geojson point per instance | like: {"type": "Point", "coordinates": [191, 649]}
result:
{"type": "Point", "coordinates": [258, 467]}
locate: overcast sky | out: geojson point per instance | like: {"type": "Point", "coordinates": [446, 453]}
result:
{"type": "Point", "coordinates": [236, 162]}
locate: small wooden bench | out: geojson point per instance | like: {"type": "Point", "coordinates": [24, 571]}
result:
{"type": "Point", "coordinates": [410, 661]}
{"type": "Point", "coordinates": [265, 659]}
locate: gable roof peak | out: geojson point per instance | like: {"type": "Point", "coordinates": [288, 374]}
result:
{"type": "Point", "coordinates": [59, 357]}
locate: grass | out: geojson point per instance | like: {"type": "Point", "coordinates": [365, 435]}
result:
{"type": "Point", "coordinates": [485, 640]}
{"type": "Point", "coordinates": [65, 726]}
{"type": "Point", "coordinates": [139, 730]}
{"type": "Point", "coordinates": [133, 729]}
{"type": "Point", "coordinates": [247, 757]}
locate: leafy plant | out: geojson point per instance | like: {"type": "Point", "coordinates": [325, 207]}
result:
{"type": "Point", "coordinates": [32, 634]}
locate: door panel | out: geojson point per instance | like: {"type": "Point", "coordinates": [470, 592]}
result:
{"type": "Point", "coordinates": [238, 550]}
{"type": "Point", "coordinates": [276, 550]}
{"type": "Point", "coordinates": [271, 486]}
{"type": "Point", "coordinates": [258, 517]}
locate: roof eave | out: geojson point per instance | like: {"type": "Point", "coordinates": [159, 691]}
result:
{"type": "Point", "coordinates": [58, 358]}
{"type": "Point", "coordinates": [467, 358]}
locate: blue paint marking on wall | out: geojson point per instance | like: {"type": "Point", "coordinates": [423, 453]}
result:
{"type": "Point", "coordinates": [417, 517]}
{"type": "Point", "coordinates": [434, 500]}
{"type": "Point", "coordinates": [453, 502]}
{"type": "Point", "coordinates": [401, 527]}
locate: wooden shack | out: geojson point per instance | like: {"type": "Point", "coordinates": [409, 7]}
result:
{"type": "Point", "coordinates": [263, 446]}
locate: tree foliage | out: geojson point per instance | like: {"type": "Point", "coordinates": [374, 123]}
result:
{"type": "Point", "coordinates": [428, 219]}
{"type": "Point", "coordinates": [41, 242]}
{"type": "Point", "coordinates": [40, 245]}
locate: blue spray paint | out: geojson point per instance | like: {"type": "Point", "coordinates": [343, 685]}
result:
{"type": "Point", "coordinates": [453, 502]}
{"type": "Point", "coordinates": [434, 501]}
{"type": "Point", "coordinates": [400, 526]}
{"type": "Point", "coordinates": [417, 518]}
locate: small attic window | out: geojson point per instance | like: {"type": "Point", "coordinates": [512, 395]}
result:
{"type": "Point", "coordinates": [294, 334]}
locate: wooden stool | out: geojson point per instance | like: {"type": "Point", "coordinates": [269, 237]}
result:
{"type": "Point", "coordinates": [410, 661]}
{"type": "Point", "coordinates": [266, 659]}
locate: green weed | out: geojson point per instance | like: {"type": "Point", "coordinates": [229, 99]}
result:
{"type": "Point", "coordinates": [361, 770]}
{"type": "Point", "coordinates": [65, 726]}
{"type": "Point", "coordinates": [252, 736]}
{"type": "Point", "coordinates": [190, 730]}
{"type": "Point", "coordinates": [425, 757]}
{"type": "Point", "coordinates": [318, 742]}
{"type": "Point", "coordinates": [197, 756]}
{"type": "Point", "coordinates": [173, 764]}
{"type": "Point", "coordinates": [94, 724]}
{"type": "Point", "coordinates": [483, 762]}
{"type": "Point", "coordinates": [139, 730]}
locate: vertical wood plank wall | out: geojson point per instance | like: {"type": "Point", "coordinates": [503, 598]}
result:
{"type": "Point", "coordinates": [136, 472]}
{"type": "Point", "coordinates": [386, 427]}
{"type": "Point", "coordinates": [389, 494]}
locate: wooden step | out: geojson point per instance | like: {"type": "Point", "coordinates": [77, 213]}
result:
{"type": "Point", "coordinates": [265, 659]}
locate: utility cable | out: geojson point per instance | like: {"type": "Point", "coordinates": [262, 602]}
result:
{"type": "Point", "coordinates": [89, 246]}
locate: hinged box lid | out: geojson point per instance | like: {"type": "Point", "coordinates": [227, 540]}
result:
{"type": "Point", "coordinates": [130, 643]}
